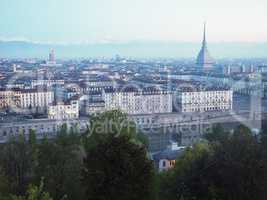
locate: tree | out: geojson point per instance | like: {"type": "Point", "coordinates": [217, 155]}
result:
{"type": "Point", "coordinates": [116, 164]}
{"type": "Point", "coordinates": [113, 123]}
{"type": "Point", "coordinates": [186, 179]}
{"type": "Point", "coordinates": [17, 162]}
{"type": "Point", "coordinates": [34, 193]}
{"type": "Point", "coordinates": [117, 169]}
{"type": "Point", "coordinates": [216, 134]}
{"type": "Point", "coordinates": [60, 162]}
{"type": "Point", "coordinates": [242, 131]}
{"type": "Point", "coordinates": [33, 151]}
{"type": "Point", "coordinates": [238, 170]}
{"type": "Point", "coordinates": [4, 187]}
{"type": "Point", "coordinates": [235, 170]}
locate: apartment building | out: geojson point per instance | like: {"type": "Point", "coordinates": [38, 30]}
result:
{"type": "Point", "coordinates": [9, 98]}
{"type": "Point", "coordinates": [64, 110]}
{"type": "Point", "coordinates": [138, 101]}
{"type": "Point", "coordinates": [35, 98]}
{"type": "Point", "coordinates": [203, 100]}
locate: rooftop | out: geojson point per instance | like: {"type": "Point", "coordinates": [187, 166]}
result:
{"type": "Point", "coordinates": [132, 89]}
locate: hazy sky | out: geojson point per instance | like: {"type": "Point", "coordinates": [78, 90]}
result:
{"type": "Point", "coordinates": [71, 21]}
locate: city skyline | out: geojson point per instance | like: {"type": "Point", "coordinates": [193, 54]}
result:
{"type": "Point", "coordinates": [177, 50]}
{"type": "Point", "coordinates": [120, 21]}
{"type": "Point", "coordinates": [133, 99]}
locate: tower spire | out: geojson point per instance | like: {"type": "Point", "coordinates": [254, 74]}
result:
{"type": "Point", "coordinates": [204, 59]}
{"type": "Point", "coordinates": [204, 35]}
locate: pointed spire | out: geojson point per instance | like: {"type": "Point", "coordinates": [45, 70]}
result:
{"type": "Point", "coordinates": [204, 36]}
{"type": "Point", "coordinates": [204, 59]}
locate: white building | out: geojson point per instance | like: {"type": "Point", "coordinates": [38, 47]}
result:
{"type": "Point", "coordinates": [64, 110]}
{"type": "Point", "coordinates": [95, 107]}
{"type": "Point", "coordinates": [97, 85]}
{"type": "Point", "coordinates": [203, 100]}
{"type": "Point", "coordinates": [134, 101]}
{"type": "Point", "coordinates": [35, 98]}
{"type": "Point", "coordinates": [51, 62]}
{"type": "Point", "coordinates": [46, 82]}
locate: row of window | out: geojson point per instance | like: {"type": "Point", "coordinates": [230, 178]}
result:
{"type": "Point", "coordinates": [25, 129]}
{"type": "Point", "coordinates": [205, 109]}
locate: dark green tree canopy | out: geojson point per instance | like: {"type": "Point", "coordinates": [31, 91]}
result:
{"type": "Point", "coordinates": [118, 169]}
{"type": "Point", "coordinates": [233, 169]}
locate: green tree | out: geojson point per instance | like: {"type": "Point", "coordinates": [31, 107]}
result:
{"type": "Point", "coordinates": [117, 169]}
{"type": "Point", "coordinates": [17, 162]}
{"type": "Point", "coordinates": [234, 170]}
{"type": "Point", "coordinates": [60, 163]}
{"type": "Point", "coordinates": [34, 193]}
{"type": "Point", "coordinates": [113, 123]}
{"type": "Point", "coordinates": [4, 187]}
{"type": "Point", "coordinates": [216, 134]}
{"type": "Point", "coordinates": [182, 180]}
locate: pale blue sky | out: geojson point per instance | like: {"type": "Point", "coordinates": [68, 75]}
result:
{"type": "Point", "coordinates": [72, 21]}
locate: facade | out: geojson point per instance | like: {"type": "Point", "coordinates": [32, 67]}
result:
{"type": "Point", "coordinates": [71, 92]}
{"type": "Point", "coordinates": [92, 103]}
{"type": "Point", "coordinates": [25, 98]}
{"type": "Point", "coordinates": [43, 127]}
{"type": "Point", "coordinates": [88, 87]}
{"type": "Point", "coordinates": [204, 60]}
{"type": "Point", "coordinates": [9, 98]}
{"type": "Point", "coordinates": [64, 110]}
{"type": "Point", "coordinates": [46, 82]}
{"type": "Point", "coordinates": [95, 107]}
{"type": "Point", "coordinates": [134, 101]}
{"type": "Point", "coordinates": [34, 98]}
{"type": "Point", "coordinates": [213, 99]}
{"type": "Point", "coordinates": [97, 85]}
{"type": "Point", "coordinates": [51, 62]}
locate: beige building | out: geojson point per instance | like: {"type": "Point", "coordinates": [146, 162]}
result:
{"type": "Point", "coordinates": [34, 98]}
{"type": "Point", "coordinates": [134, 101]}
{"type": "Point", "coordinates": [25, 99]}
{"type": "Point", "coordinates": [64, 110]}
{"type": "Point", "coordinates": [203, 100]}
{"type": "Point", "coordinates": [9, 98]}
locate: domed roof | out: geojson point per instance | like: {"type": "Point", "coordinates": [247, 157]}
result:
{"type": "Point", "coordinates": [204, 57]}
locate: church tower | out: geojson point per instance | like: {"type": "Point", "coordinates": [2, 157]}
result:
{"type": "Point", "coordinates": [204, 60]}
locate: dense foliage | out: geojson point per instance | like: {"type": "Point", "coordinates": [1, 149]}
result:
{"type": "Point", "coordinates": [110, 161]}
{"type": "Point", "coordinates": [230, 166]}
{"type": "Point", "coordinates": [63, 163]}
{"type": "Point", "coordinates": [118, 169]}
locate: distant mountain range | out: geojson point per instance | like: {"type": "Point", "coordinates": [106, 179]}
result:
{"type": "Point", "coordinates": [22, 49]}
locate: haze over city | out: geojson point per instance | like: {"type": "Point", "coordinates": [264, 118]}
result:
{"type": "Point", "coordinates": [133, 99]}
{"type": "Point", "coordinates": [134, 28]}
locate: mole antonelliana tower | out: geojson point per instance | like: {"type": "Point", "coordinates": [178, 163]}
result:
{"type": "Point", "coordinates": [204, 60]}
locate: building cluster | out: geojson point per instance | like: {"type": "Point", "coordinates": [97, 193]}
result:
{"type": "Point", "coordinates": [51, 92]}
